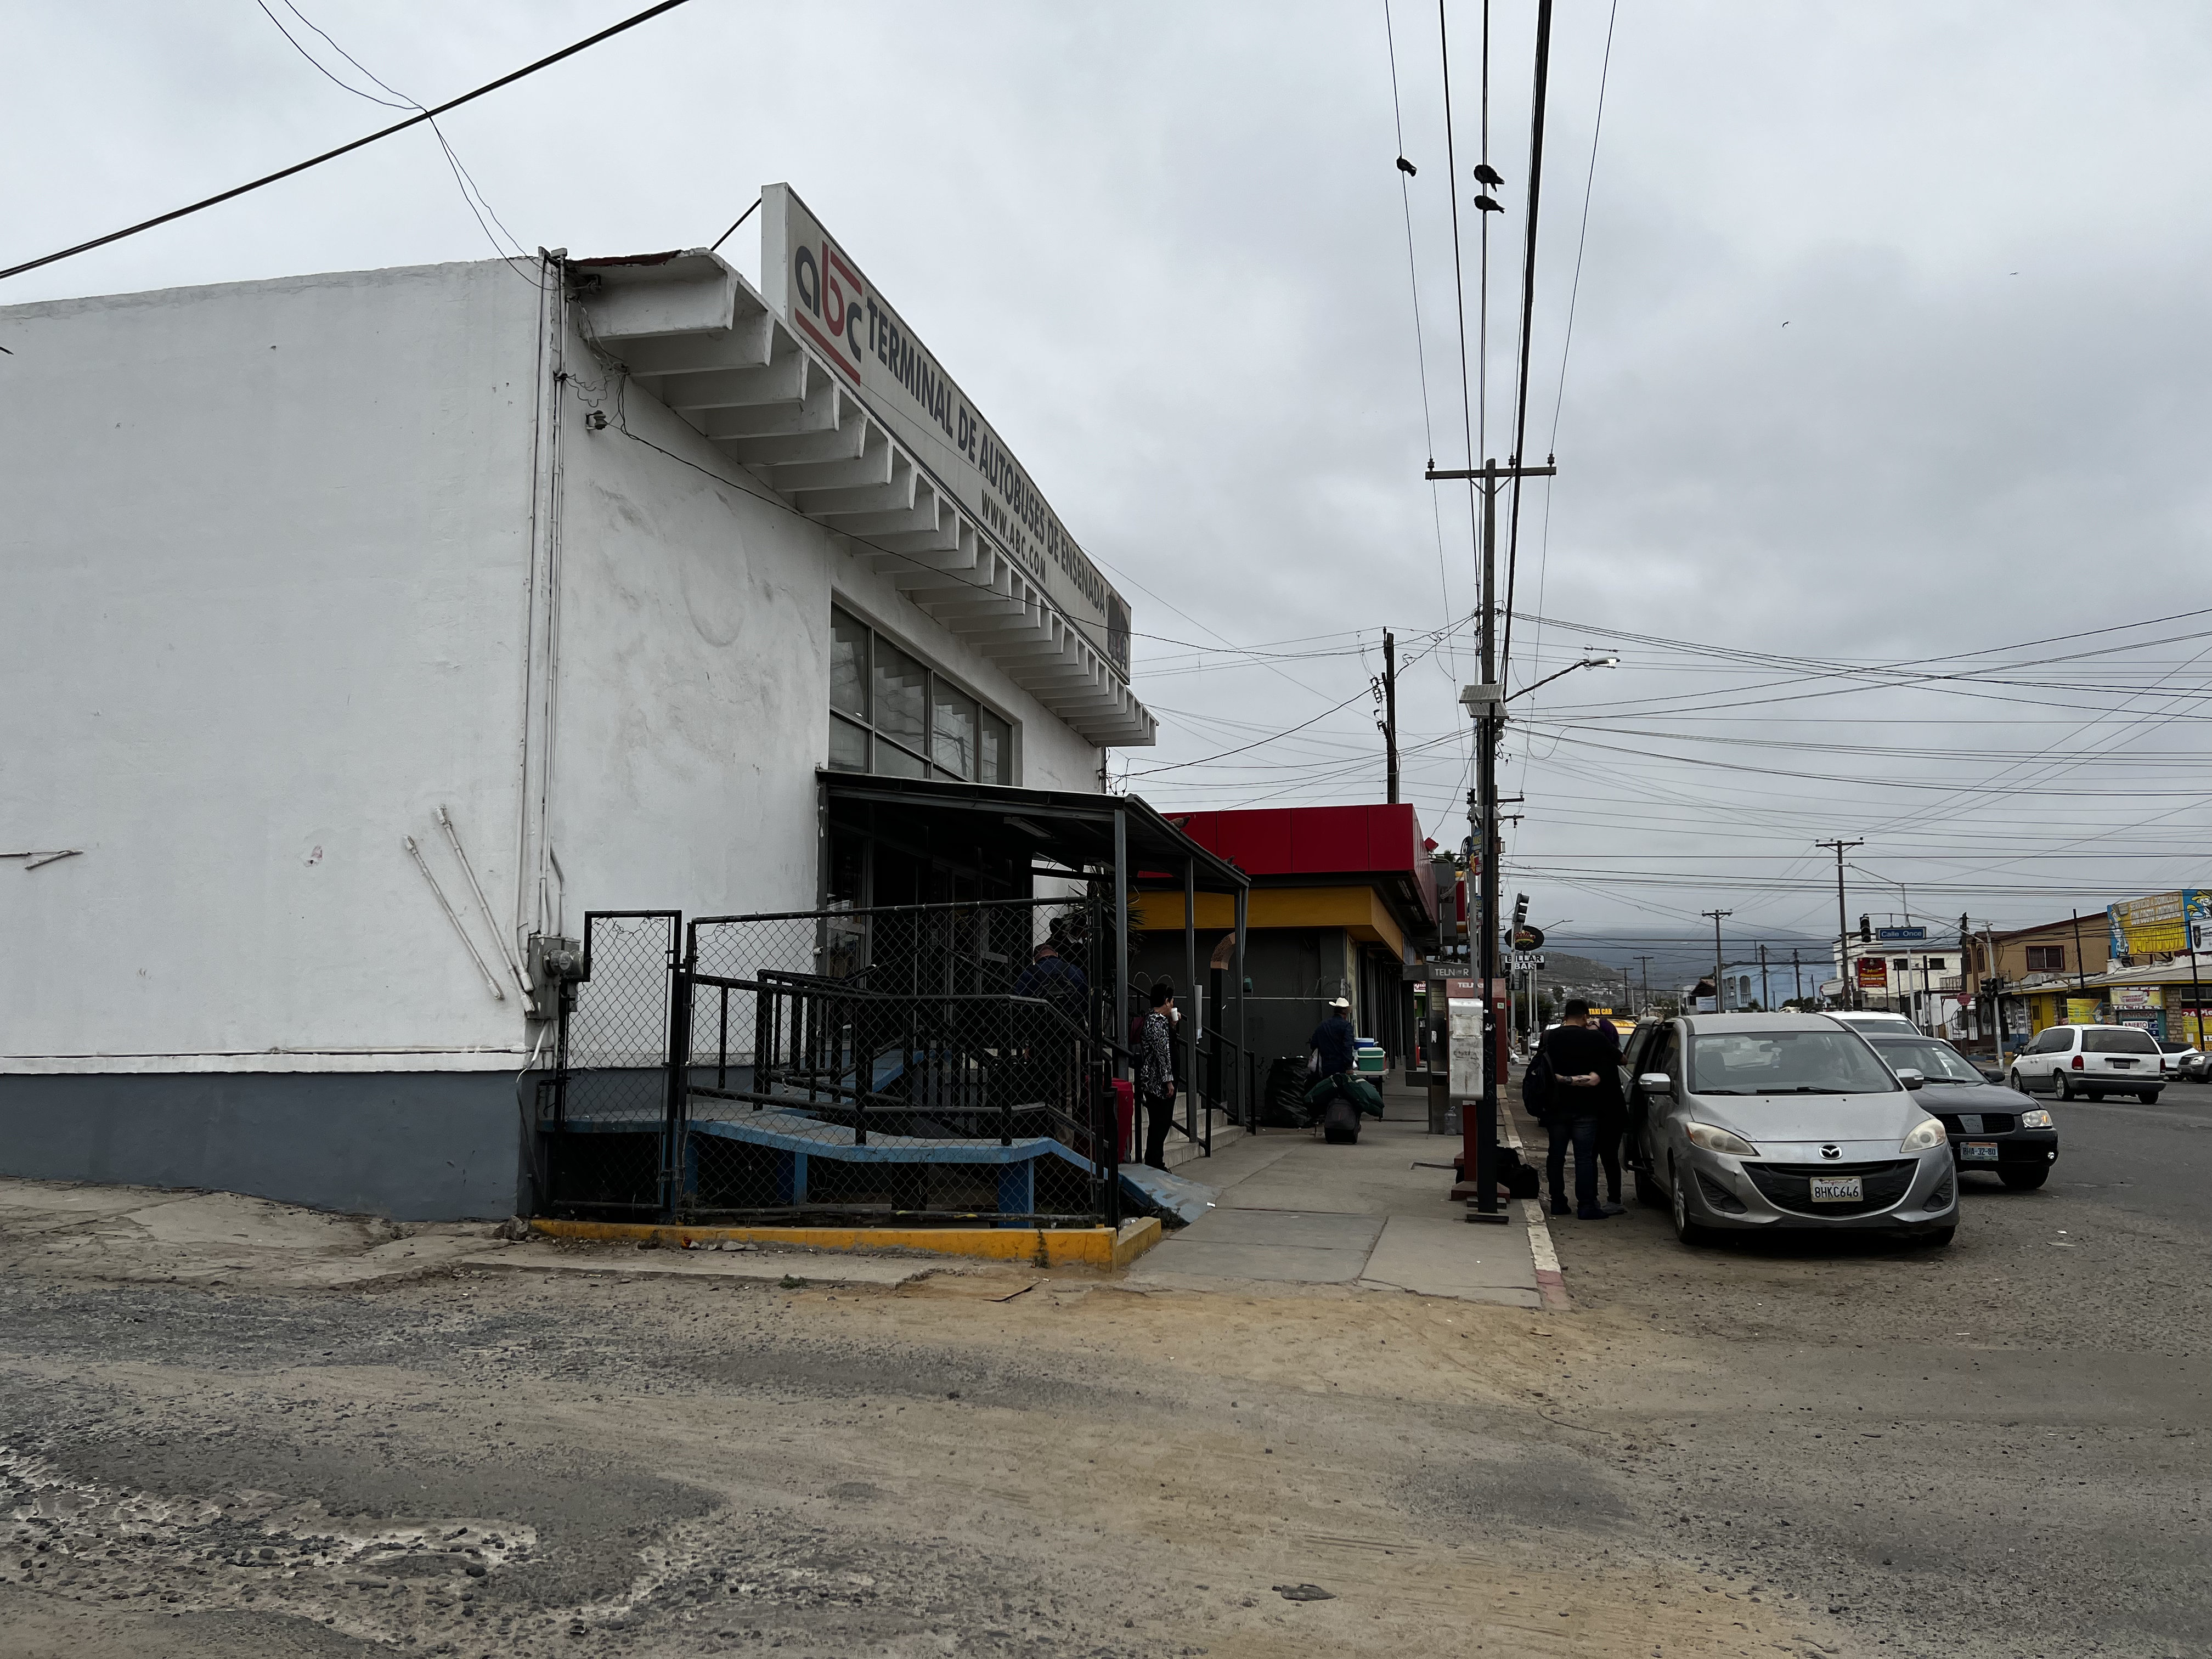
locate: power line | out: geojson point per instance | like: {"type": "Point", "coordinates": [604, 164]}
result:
{"type": "Point", "coordinates": [472, 196]}
{"type": "Point", "coordinates": [1405, 171]}
{"type": "Point", "coordinates": [1528, 310]}
{"type": "Point", "coordinates": [1459, 276]}
{"type": "Point", "coordinates": [1574, 295]}
{"type": "Point", "coordinates": [646, 15]}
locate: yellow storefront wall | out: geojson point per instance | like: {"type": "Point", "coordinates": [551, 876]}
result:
{"type": "Point", "coordinates": [1359, 910]}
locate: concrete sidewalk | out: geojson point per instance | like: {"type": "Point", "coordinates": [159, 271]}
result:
{"type": "Point", "coordinates": [1294, 1209]}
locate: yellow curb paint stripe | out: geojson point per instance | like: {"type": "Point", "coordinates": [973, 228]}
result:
{"type": "Point", "coordinates": [1094, 1247]}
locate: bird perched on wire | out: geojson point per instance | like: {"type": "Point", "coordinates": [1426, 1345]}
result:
{"type": "Point", "coordinates": [1406, 168]}
{"type": "Point", "coordinates": [1486, 174]}
{"type": "Point", "coordinates": [1487, 205]}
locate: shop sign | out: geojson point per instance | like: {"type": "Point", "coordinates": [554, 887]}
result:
{"type": "Point", "coordinates": [2135, 996]}
{"type": "Point", "coordinates": [2160, 924]}
{"type": "Point", "coordinates": [816, 288]}
{"type": "Point", "coordinates": [1874, 973]}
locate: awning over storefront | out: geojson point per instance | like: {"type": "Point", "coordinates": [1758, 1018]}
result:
{"type": "Point", "coordinates": [694, 334]}
{"type": "Point", "coordinates": [1073, 830]}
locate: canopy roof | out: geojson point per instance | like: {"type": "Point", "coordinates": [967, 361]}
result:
{"type": "Point", "coordinates": [1070, 828]}
{"type": "Point", "coordinates": [696, 335]}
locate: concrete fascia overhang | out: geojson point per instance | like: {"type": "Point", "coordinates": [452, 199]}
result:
{"type": "Point", "coordinates": [693, 333]}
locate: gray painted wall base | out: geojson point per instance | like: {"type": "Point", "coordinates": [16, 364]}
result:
{"type": "Point", "coordinates": [413, 1145]}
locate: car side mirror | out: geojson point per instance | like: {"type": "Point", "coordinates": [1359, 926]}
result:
{"type": "Point", "coordinates": [1655, 1083]}
{"type": "Point", "coordinates": [1912, 1079]}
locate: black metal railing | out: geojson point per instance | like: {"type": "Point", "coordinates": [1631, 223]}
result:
{"type": "Point", "coordinates": [914, 1062]}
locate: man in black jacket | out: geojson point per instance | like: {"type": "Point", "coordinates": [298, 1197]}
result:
{"type": "Point", "coordinates": [1585, 1087]}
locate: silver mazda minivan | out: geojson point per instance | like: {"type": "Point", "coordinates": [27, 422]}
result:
{"type": "Point", "coordinates": [1754, 1121]}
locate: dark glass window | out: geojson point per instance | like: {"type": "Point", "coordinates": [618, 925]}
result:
{"type": "Point", "coordinates": [995, 752]}
{"type": "Point", "coordinates": [952, 730]}
{"type": "Point", "coordinates": [892, 714]}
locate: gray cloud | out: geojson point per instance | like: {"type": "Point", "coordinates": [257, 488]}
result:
{"type": "Point", "coordinates": [1162, 246]}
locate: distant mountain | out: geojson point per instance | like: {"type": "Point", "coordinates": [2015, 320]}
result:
{"type": "Point", "coordinates": [1680, 957]}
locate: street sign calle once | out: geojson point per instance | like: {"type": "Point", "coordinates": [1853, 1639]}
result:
{"type": "Point", "coordinates": [1900, 933]}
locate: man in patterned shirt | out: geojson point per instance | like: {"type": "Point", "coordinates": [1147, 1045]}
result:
{"type": "Point", "coordinates": [1156, 1080]}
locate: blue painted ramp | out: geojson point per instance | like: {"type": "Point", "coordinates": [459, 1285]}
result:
{"type": "Point", "coordinates": [1157, 1192]}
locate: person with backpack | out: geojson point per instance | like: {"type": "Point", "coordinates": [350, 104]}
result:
{"type": "Point", "coordinates": [1576, 1071]}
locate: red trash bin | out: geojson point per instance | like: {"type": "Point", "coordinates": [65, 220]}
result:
{"type": "Point", "coordinates": [1125, 1111]}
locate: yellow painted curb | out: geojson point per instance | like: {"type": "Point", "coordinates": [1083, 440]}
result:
{"type": "Point", "coordinates": [1047, 1247]}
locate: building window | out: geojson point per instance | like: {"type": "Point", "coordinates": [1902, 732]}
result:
{"type": "Point", "coordinates": [1935, 965]}
{"type": "Point", "coordinates": [1902, 964]}
{"type": "Point", "coordinates": [2046, 958]}
{"type": "Point", "coordinates": [892, 714]}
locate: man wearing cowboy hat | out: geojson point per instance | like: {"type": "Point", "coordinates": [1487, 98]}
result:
{"type": "Point", "coordinates": [1334, 1041]}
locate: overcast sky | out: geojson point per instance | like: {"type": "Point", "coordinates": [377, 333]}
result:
{"type": "Point", "coordinates": [1891, 346]}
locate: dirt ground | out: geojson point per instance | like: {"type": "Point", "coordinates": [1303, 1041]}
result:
{"type": "Point", "coordinates": [216, 1446]}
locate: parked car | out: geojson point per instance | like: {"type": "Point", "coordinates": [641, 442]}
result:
{"type": "Point", "coordinates": [1991, 1126]}
{"type": "Point", "coordinates": [2091, 1061]}
{"type": "Point", "coordinates": [1869, 1022]}
{"type": "Point", "coordinates": [1753, 1122]}
{"type": "Point", "coordinates": [2195, 1066]}
{"type": "Point", "coordinates": [2175, 1056]}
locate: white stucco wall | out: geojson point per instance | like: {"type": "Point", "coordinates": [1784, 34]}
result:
{"type": "Point", "coordinates": [694, 674]}
{"type": "Point", "coordinates": [266, 555]}
{"type": "Point", "coordinates": [263, 549]}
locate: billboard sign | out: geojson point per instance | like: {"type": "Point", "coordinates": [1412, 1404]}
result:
{"type": "Point", "coordinates": [816, 287]}
{"type": "Point", "coordinates": [1874, 973]}
{"type": "Point", "coordinates": [2159, 924]}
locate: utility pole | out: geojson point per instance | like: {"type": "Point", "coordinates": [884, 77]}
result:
{"type": "Point", "coordinates": [1720, 996]}
{"type": "Point", "coordinates": [1390, 712]}
{"type": "Point", "coordinates": [1646, 960]}
{"type": "Point", "coordinates": [1796, 977]}
{"type": "Point", "coordinates": [1996, 992]}
{"type": "Point", "coordinates": [1844, 924]}
{"type": "Point", "coordinates": [2195, 987]}
{"type": "Point", "coordinates": [1627, 992]}
{"type": "Point", "coordinates": [1487, 702]}
{"type": "Point", "coordinates": [1765, 993]}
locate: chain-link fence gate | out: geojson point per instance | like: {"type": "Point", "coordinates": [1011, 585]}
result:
{"type": "Point", "coordinates": [611, 1118]}
{"type": "Point", "coordinates": [921, 1063]}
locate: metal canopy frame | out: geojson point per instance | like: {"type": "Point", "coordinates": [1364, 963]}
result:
{"type": "Point", "coordinates": [1120, 837]}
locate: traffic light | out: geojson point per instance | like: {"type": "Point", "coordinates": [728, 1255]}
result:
{"type": "Point", "coordinates": [1520, 908]}
{"type": "Point", "coordinates": [1866, 930]}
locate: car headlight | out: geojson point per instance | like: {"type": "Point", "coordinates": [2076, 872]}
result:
{"type": "Point", "coordinates": [1928, 1133]}
{"type": "Point", "coordinates": [1714, 1139]}
{"type": "Point", "coordinates": [2038, 1119]}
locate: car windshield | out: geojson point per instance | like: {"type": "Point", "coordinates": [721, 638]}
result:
{"type": "Point", "coordinates": [1786, 1063]}
{"type": "Point", "coordinates": [1929, 1058]}
{"type": "Point", "coordinates": [2118, 1040]}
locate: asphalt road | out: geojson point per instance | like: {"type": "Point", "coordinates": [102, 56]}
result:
{"type": "Point", "coordinates": [2152, 1161]}
{"type": "Point", "coordinates": [1999, 1447]}
{"type": "Point", "coordinates": [1814, 1448]}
